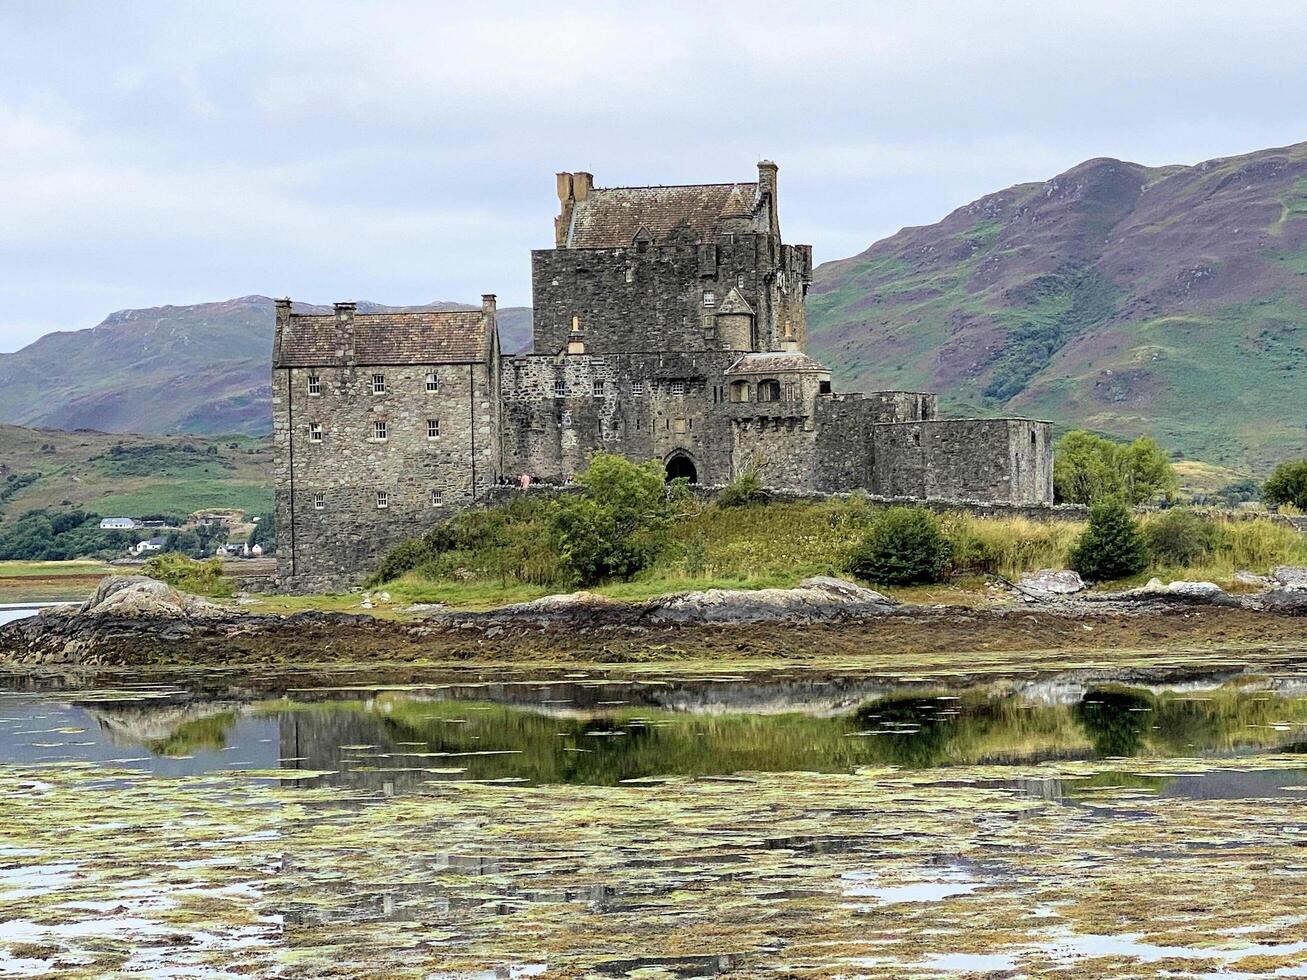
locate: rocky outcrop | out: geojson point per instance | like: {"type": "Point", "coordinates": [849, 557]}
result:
{"type": "Point", "coordinates": [138, 597]}
{"type": "Point", "coordinates": [1290, 576]}
{"type": "Point", "coordinates": [1049, 583]}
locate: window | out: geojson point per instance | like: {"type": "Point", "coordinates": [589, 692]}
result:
{"type": "Point", "coordinates": [916, 438]}
{"type": "Point", "coordinates": [315, 432]}
{"type": "Point", "coordinates": [319, 501]}
{"type": "Point", "coordinates": [678, 388]}
{"type": "Point", "coordinates": [560, 388]}
{"type": "Point", "coordinates": [598, 388]}
{"type": "Point", "coordinates": [630, 273]}
{"type": "Point", "coordinates": [378, 384]}
{"type": "Point", "coordinates": [769, 391]}
{"type": "Point", "coordinates": [379, 431]}
{"type": "Point", "coordinates": [1033, 440]}
{"type": "Point", "coordinates": [437, 498]}
{"type": "Point", "coordinates": [637, 388]}
{"type": "Point", "coordinates": [566, 420]}
{"type": "Point", "coordinates": [315, 384]}
{"type": "Point", "coordinates": [383, 500]}
{"type": "Point", "coordinates": [823, 387]}
{"type": "Point", "coordinates": [709, 299]}
{"type": "Point", "coordinates": [739, 391]}
{"type": "Point", "coordinates": [433, 381]}
{"type": "Point", "coordinates": [739, 280]}
{"type": "Point", "coordinates": [433, 428]}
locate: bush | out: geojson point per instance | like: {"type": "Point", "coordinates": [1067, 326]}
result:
{"type": "Point", "coordinates": [199, 577]}
{"type": "Point", "coordinates": [1088, 468]}
{"type": "Point", "coordinates": [1111, 546]}
{"type": "Point", "coordinates": [618, 524]}
{"type": "Point", "coordinates": [1288, 485]}
{"type": "Point", "coordinates": [904, 546]}
{"type": "Point", "coordinates": [1180, 537]}
{"type": "Point", "coordinates": [746, 490]}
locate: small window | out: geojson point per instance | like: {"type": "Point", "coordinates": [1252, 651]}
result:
{"type": "Point", "coordinates": [433, 381]}
{"type": "Point", "coordinates": [1033, 440]}
{"type": "Point", "coordinates": [823, 387]}
{"type": "Point", "coordinates": [379, 431]}
{"type": "Point", "coordinates": [739, 391]}
{"type": "Point", "coordinates": [709, 299]}
{"type": "Point", "coordinates": [383, 500]}
{"type": "Point", "coordinates": [916, 438]}
{"type": "Point", "coordinates": [739, 280]}
{"type": "Point", "coordinates": [678, 388]}
{"type": "Point", "coordinates": [315, 384]}
{"type": "Point", "coordinates": [598, 388]}
{"type": "Point", "coordinates": [437, 498]}
{"type": "Point", "coordinates": [637, 388]}
{"type": "Point", "coordinates": [566, 420]}
{"type": "Point", "coordinates": [319, 501]}
{"type": "Point", "coordinates": [630, 273]}
{"type": "Point", "coordinates": [315, 432]}
{"type": "Point", "coordinates": [560, 388]}
{"type": "Point", "coordinates": [769, 391]}
{"type": "Point", "coordinates": [378, 384]}
{"type": "Point", "coordinates": [433, 428]}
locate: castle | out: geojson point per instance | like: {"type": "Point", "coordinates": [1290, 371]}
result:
{"type": "Point", "coordinates": [668, 323]}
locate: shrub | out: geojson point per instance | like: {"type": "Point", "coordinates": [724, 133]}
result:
{"type": "Point", "coordinates": [1088, 468]}
{"type": "Point", "coordinates": [1111, 546]}
{"type": "Point", "coordinates": [904, 546]}
{"type": "Point", "coordinates": [618, 524]}
{"type": "Point", "coordinates": [1180, 537]}
{"type": "Point", "coordinates": [199, 577]}
{"type": "Point", "coordinates": [746, 490]}
{"type": "Point", "coordinates": [1288, 485]}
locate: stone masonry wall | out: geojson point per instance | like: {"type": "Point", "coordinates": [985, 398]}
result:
{"type": "Point", "coordinates": [1008, 460]}
{"type": "Point", "coordinates": [331, 530]}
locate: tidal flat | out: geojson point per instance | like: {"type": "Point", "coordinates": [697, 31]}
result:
{"type": "Point", "coordinates": [657, 822]}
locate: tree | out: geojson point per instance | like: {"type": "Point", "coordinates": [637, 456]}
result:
{"type": "Point", "coordinates": [1288, 485]}
{"type": "Point", "coordinates": [1111, 546]}
{"type": "Point", "coordinates": [1180, 537]}
{"type": "Point", "coordinates": [903, 546]}
{"type": "Point", "coordinates": [618, 523]}
{"type": "Point", "coordinates": [1088, 468]}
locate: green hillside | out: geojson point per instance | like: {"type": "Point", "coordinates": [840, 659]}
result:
{"type": "Point", "coordinates": [1165, 301]}
{"type": "Point", "coordinates": [131, 475]}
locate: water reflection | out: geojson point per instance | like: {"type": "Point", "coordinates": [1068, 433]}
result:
{"type": "Point", "coordinates": [403, 739]}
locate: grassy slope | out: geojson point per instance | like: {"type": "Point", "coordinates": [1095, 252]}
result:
{"type": "Point", "coordinates": [78, 472]}
{"type": "Point", "coordinates": [1161, 301]}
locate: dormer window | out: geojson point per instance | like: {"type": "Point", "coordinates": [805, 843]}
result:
{"type": "Point", "coordinates": [433, 381]}
{"type": "Point", "coordinates": [709, 299]}
{"type": "Point", "coordinates": [315, 384]}
{"type": "Point", "coordinates": [378, 384]}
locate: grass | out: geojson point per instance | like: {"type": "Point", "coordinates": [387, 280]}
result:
{"type": "Point", "coordinates": [51, 569]}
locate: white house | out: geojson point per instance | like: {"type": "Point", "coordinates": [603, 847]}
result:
{"type": "Point", "coordinates": [144, 547]}
{"type": "Point", "coordinates": [117, 524]}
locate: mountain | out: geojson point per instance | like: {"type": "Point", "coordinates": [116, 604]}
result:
{"type": "Point", "coordinates": [201, 368]}
{"type": "Point", "coordinates": [1168, 301]}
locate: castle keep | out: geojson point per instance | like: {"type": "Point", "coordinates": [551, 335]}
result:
{"type": "Point", "coordinates": [668, 323]}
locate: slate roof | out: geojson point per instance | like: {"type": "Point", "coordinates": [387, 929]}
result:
{"type": "Point", "coordinates": [609, 217]}
{"type": "Point", "coordinates": [443, 337]}
{"type": "Point", "coordinates": [776, 362]}
{"type": "Point", "coordinates": [734, 303]}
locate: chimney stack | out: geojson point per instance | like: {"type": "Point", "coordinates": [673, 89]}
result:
{"type": "Point", "coordinates": [345, 332]}
{"type": "Point", "coordinates": [767, 188]}
{"type": "Point", "coordinates": [488, 304]}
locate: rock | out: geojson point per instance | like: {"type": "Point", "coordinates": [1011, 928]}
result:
{"type": "Point", "coordinates": [817, 599]}
{"type": "Point", "coordinates": [1291, 576]}
{"type": "Point", "coordinates": [138, 597]}
{"type": "Point", "coordinates": [1251, 578]}
{"type": "Point", "coordinates": [1051, 582]}
{"type": "Point", "coordinates": [1284, 601]}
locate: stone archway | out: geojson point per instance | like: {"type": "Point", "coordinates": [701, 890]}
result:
{"type": "Point", "coordinates": [680, 465]}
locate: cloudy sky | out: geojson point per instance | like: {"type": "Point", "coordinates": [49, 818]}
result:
{"type": "Point", "coordinates": [155, 153]}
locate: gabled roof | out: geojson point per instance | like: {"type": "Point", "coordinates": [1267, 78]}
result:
{"type": "Point", "coordinates": [610, 217]}
{"type": "Point", "coordinates": [777, 362]}
{"type": "Point", "coordinates": [734, 303]}
{"type": "Point", "coordinates": [424, 337]}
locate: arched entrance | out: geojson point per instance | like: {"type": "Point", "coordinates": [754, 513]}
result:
{"type": "Point", "coordinates": [680, 465]}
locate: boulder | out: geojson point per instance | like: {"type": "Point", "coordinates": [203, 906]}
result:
{"type": "Point", "coordinates": [1284, 602]}
{"type": "Point", "coordinates": [1051, 582]}
{"type": "Point", "coordinates": [138, 597]}
{"type": "Point", "coordinates": [817, 599]}
{"type": "Point", "coordinates": [1291, 576]}
{"type": "Point", "coordinates": [1251, 578]}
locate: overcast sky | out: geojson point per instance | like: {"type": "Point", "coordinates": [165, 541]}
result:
{"type": "Point", "coordinates": [155, 153]}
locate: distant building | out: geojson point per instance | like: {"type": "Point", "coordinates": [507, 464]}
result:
{"type": "Point", "coordinates": [117, 524]}
{"type": "Point", "coordinates": [668, 323]}
{"type": "Point", "coordinates": [145, 547]}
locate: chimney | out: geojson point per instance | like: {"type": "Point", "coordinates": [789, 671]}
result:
{"type": "Point", "coordinates": [576, 339]}
{"type": "Point", "coordinates": [282, 307]}
{"type": "Point", "coordinates": [582, 184]}
{"type": "Point", "coordinates": [488, 304]}
{"type": "Point", "coordinates": [767, 188]}
{"type": "Point", "coordinates": [345, 332]}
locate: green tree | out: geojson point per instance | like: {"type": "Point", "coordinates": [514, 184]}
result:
{"type": "Point", "coordinates": [618, 524]}
{"type": "Point", "coordinates": [1111, 547]}
{"type": "Point", "coordinates": [1180, 537]}
{"type": "Point", "coordinates": [1088, 468]}
{"type": "Point", "coordinates": [904, 545]}
{"type": "Point", "coordinates": [1288, 485]}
